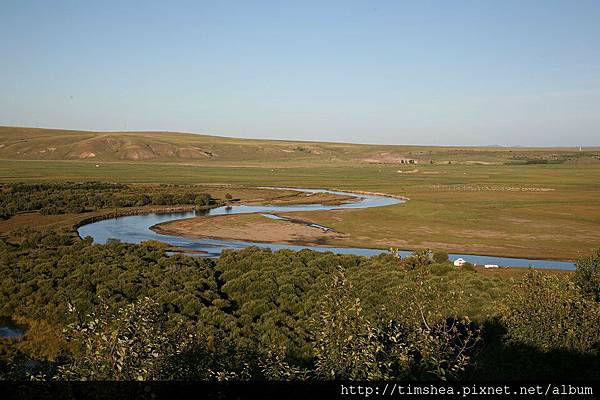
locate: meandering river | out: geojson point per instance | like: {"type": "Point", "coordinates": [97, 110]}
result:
{"type": "Point", "coordinates": [136, 229]}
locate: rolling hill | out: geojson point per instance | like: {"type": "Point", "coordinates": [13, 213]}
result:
{"type": "Point", "coordinates": [53, 144]}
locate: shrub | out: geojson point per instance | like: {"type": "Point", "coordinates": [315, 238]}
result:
{"type": "Point", "coordinates": [74, 198]}
{"type": "Point", "coordinates": [587, 275]}
{"type": "Point", "coordinates": [468, 267]}
{"type": "Point", "coordinates": [440, 257]}
{"type": "Point", "coordinates": [549, 314]}
{"type": "Point", "coordinates": [346, 347]}
{"type": "Point", "coordinates": [418, 259]}
{"type": "Point", "coordinates": [134, 344]}
{"type": "Point", "coordinates": [422, 340]}
{"type": "Point", "coordinates": [440, 269]}
{"type": "Point", "coordinates": [437, 341]}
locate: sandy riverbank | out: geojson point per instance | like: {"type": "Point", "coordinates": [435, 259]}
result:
{"type": "Point", "coordinates": [248, 227]}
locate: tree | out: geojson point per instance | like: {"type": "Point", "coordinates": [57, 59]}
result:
{"type": "Point", "coordinates": [587, 275]}
{"type": "Point", "coordinates": [274, 366]}
{"type": "Point", "coordinates": [437, 341]}
{"type": "Point", "coordinates": [440, 257]}
{"type": "Point", "coordinates": [133, 344]}
{"type": "Point", "coordinates": [345, 340]}
{"type": "Point", "coordinates": [550, 314]}
{"type": "Point", "coordinates": [418, 259]}
{"type": "Point", "coordinates": [468, 266]}
{"type": "Point", "coordinates": [202, 199]}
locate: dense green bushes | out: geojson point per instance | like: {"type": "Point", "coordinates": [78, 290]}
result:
{"type": "Point", "coordinates": [135, 343]}
{"type": "Point", "coordinates": [587, 275]}
{"type": "Point", "coordinates": [416, 341]}
{"type": "Point", "coordinates": [550, 314]}
{"type": "Point", "coordinates": [258, 314]}
{"type": "Point", "coordinates": [69, 197]}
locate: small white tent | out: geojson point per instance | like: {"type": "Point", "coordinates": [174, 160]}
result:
{"type": "Point", "coordinates": [459, 262]}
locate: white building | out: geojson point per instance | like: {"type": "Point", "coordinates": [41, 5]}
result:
{"type": "Point", "coordinates": [490, 266]}
{"type": "Point", "coordinates": [459, 262]}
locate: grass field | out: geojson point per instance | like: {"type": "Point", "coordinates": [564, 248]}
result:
{"type": "Point", "coordinates": [484, 202]}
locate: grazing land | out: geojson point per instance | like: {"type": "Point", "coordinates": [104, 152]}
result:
{"type": "Point", "coordinates": [521, 202]}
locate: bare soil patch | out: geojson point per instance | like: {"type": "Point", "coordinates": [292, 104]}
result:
{"type": "Point", "coordinates": [248, 227]}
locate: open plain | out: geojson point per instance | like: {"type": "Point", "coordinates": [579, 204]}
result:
{"type": "Point", "coordinates": [515, 202]}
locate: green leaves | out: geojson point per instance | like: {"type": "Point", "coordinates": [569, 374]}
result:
{"type": "Point", "coordinates": [421, 342]}
{"type": "Point", "coordinates": [587, 275]}
{"type": "Point", "coordinates": [258, 314]}
{"type": "Point", "coordinates": [134, 343]}
{"type": "Point", "coordinates": [548, 313]}
{"type": "Point", "coordinates": [345, 346]}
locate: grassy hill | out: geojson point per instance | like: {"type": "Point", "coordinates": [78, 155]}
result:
{"type": "Point", "coordinates": [53, 144]}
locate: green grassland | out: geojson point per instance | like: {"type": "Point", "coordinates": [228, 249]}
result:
{"type": "Point", "coordinates": [535, 203]}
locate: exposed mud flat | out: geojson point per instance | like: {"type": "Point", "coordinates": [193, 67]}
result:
{"type": "Point", "coordinates": [251, 227]}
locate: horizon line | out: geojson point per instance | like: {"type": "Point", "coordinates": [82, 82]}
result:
{"type": "Point", "coordinates": [225, 136]}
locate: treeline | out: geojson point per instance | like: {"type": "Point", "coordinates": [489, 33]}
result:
{"type": "Point", "coordinates": [71, 197]}
{"type": "Point", "coordinates": [122, 311]}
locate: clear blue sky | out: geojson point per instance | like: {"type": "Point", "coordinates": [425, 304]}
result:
{"type": "Point", "coordinates": [422, 72]}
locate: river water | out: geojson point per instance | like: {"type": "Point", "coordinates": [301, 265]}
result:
{"type": "Point", "coordinates": [136, 229]}
{"type": "Point", "coordinates": [9, 329]}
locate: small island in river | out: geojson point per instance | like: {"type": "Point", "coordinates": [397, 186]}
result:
{"type": "Point", "coordinates": [249, 227]}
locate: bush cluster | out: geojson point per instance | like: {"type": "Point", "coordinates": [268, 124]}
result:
{"type": "Point", "coordinates": [123, 311]}
{"type": "Point", "coordinates": [71, 197]}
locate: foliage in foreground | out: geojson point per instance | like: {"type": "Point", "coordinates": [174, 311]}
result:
{"type": "Point", "coordinates": [138, 342]}
{"type": "Point", "coordinates": [134, 343]}
{"type": "Point", "coordinates": [551, 314]}
{"type": "Point", "coordinates": [417, 344]}
{"type": "Point", "coordinates": [120, 311]}
{"type": "Point", "coordinates": [587, 275]}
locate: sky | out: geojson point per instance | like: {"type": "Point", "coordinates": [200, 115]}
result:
{"type": "Point", "coordinates": [391, 72]}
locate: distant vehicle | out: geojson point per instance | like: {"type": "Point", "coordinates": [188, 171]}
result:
{"type": "Point", "coordinates": [491, 266]}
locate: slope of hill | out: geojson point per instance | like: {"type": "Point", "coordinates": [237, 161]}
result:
{"type": "Point", "coordinates": [53, 144]}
